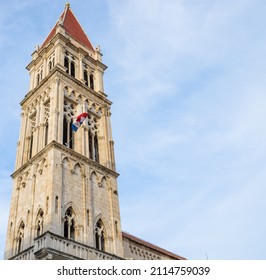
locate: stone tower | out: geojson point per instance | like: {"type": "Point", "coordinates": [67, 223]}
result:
{"type": "Point", "coordinates": [65, 201]}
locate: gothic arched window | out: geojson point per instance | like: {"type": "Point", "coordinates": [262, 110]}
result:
{"type": "Point", "coordinates": [30, 146]}
{"type": "Point", "coordinates": [90, 145]}
{"type": "Point", "coordinates": [85, 77]}
{"type": "Point", "coordinates": [69, 223]}
{"type": "Point", "coordinates": [69, 110]}
{"type": "Point", "coordinates": [66, 64]}
{"type": "Point", "coordinates": [96, 148]}
{"type": "Point", "coordinates": [100, 236]}
{"type": "Point", "coordinates": [46, 129]}
{"type": "Point", "coordinates": [91, 81]}
{"type": "Point", "coordinates": [72, 69]}
{"type": "Point", "coordinates": [39, 223]}
{"type": "Point", "coordinates": [38, 79]}
{"type": "Point", "coordinates": [20, 237]}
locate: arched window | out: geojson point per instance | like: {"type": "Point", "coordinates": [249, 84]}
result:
{"type": "Point", "coordinates": [90, 145]}
{"type": "Point", "coordinates": [96, 148]}
{"type": "Point", "coordinates": [38, 79]}
{"type": "Point", "coordinates": [56, 204]}
{"type": "Point", "coordinates": [91, 81]}
{"type": "Point", "coordinates": [39, 223]}
{"type": "Point", "coordinates": [30, 146]}
{"type": "Point", "coordinates": [85, 77]}
{"type": "Point", "coordinates": [20, 237]}
{"type": "Point", "coordinates": [67, 133]}
{"type": "Point", "coordinates": [46, 133]}
{"type": "Point", "coordinates": [66, 64]}
{"type": "Point", "coordinates": [72, 69]}
{"type": "Point", "coordinates": [100, 236]}
{"type": "Point", "coordinates": [50, 66]}
{"type": "Point", "coordinates": [47, 204]}
{"type": "Point", "coordinates": [69, 223]}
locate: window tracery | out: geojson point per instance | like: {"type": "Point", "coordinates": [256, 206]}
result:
{"type": "Point", "coordinates": [69, 63]}
{"type": "Point", "coordinates": [46, 121]}
{"type": "Point", "coordinates": [69, 113]}
{"type": "Point", "coordinates": [20, 237]}
{"type": "Point", "coordinates": [39, 223]}
{"type": "Point", "coordinates": [100, 236]}
{"type": "Point", "coordinates": [93, 138]}
{"type": "Point", "coordinates": [69, 224]}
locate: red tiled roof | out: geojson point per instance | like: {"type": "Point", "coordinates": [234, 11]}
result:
{"type": "Point", "coordinates": [152, 246]}
{"type": "Point", "coordinates": [72, 28]}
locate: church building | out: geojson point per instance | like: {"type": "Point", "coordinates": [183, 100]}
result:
{"type": "Point", "coordinates": [65, 201]}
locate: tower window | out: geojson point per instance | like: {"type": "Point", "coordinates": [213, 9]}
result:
{"type": "Point", "coordinates": [67, 133]}
{"type": "Point", "coordinates": [38, 79]}
{"type": "Point", "coordinates": [66, 64]}
{"type": "Point", "coordinates": [39, 225]}
{"type": "Point", "coordinates": [91, 81]}
{"type": "Point", "coordinates": [96, 148]}
{"type": "Point", "coordinates": [85, 77]}
{"type": "Point", "coordinates": [72, 69]}
{"type": "Point", "coordinates": [69, 224]}
{"type": "Point", "coordinates": [46, 133]}
{"type": "Point", "coordinates": [100, 236]}
{"type": "Point", "coordinates": [56, 204]}
{"type": "Point", "coordinates": [30, 146]}
{"type": "Point", "coordinates": [90, 145]}
{"type": "Point", "coordinates": [20, 237]}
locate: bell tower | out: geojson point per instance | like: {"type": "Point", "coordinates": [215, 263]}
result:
{"type": "Point", "coordinates": [65, 200]}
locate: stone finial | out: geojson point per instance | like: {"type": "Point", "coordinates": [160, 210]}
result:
{"type": "Point", "coordinates": [67, 5]}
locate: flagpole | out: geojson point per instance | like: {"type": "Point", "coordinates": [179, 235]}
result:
{"type": "Point", "coordinates": [67, 143]}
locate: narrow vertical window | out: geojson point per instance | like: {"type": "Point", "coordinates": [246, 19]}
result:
{"type": "Point", "coordinates": [91, 81]}
{"type": "Point", "coordinates": [72, 69]}
{"type": "Point", "coordinates": [50, 66]}
{"type": "Point", "coordinates": [100, 236]}
{"type": "Point", "coordinates": [66, 64]}
{"type": "Point", "coordinates": [20, 237]}
{"type": "Point", "coordinates": [38, 79]}
{"type": "Point", "coordinates": [116, 228]}
{"type": "Point", "coordinates": [69, 224]}
{"type": "Point", "coordinates": [85, 77]}
{"type": "Point", "coordinates": [39, 223]}
{"type": "Point", "coordinates": [71, 140]}
{"type": "Point", "coordinates": [88, 217]}
{"type": "Point", "coordinates": [65, 125]}
{"type": "Point", "coordinates": [56, 205]}
{"type": "Point", "coordinates": [47, 204]}
{"type": "Point", "coordinates": [96, 148]}
{"type": "Point", "coordinates": [30, 146]}
{"type": "Point", "coordinates": [90, 145]}
{"type": "Point", "coordinates": [46, 133]}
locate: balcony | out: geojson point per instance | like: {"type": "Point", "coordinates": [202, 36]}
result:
{"type": "Point", "coordinates": [55, 247]}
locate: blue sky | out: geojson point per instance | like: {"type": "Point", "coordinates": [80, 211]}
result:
{"type": "Point", "coordinates": [188, 85]}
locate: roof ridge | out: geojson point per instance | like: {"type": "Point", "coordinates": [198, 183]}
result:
{"type": "Point", "coordinates": [153, 246]}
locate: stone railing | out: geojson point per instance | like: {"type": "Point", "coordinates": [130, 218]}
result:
{"type": "Point", "coordinates": [25, 255]}
{"type": "Point", "coordinates": [68, 248]}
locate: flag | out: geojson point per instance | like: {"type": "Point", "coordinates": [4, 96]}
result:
{"type": "Point", "coordinates": [79, 120]}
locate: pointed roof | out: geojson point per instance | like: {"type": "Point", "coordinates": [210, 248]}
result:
{"type": "Point", "coordinates": [72, 28]}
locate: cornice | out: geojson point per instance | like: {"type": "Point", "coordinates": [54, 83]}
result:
{"type": "Point", "coordinates": [58, 72]}
{"type": "Point", "coordinates": [75, 155]}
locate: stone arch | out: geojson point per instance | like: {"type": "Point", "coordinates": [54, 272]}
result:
{"type": "Point", "coordinates": [100, 234]}
{"type": "Point", "coordinates": [20, 236]}
{"type": "Point", "coordinates": [39, 222]}
{"type": "Point", "coordinates": [77, 169]}
{"type": "Point", "coordinates": [70, 221]}
{"type": "Point", "coordinates": [104, 182]}
{"type": "Point", "coordinates": [66, 162]}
